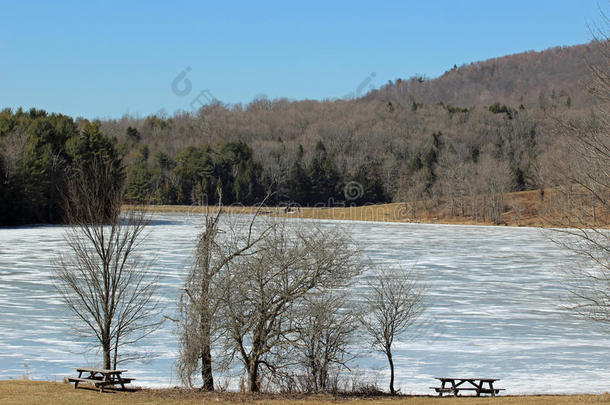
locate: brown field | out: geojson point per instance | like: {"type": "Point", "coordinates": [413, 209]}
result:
{"type": "Point", "coordinates": [41, 392]}
{"type": "Point", "coordinates": [527, 213]}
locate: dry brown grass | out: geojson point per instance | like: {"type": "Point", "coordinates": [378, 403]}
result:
{"type": "Point", "coordinates": [527, 214]}
{"type": "Point", "coordinates": [40, 392]}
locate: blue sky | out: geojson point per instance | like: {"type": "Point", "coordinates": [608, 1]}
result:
{"type": "Point", "coordinates": [107, 58]}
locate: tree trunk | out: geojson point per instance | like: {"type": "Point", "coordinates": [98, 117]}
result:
{"type": "Point", "coordinates": [206, 331]}
{"type": "Point", "coordinates": [107, 348]}
{"type": "Point", "coordinates": [253, 377]}
{"type": "Point", "coordinates": [314, 373]}
{"type": "Point", "coordinates": [323, 378]}
{"type": "Point", "coordinates": [392, 390]}
{"type": "Point", "coordinates": [206, 366]}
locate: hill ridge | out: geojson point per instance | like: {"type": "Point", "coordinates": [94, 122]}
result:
{"type": "Point", "coordinates": [530, 78]}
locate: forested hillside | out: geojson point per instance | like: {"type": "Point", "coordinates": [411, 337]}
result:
{"type": "Point", "coordinates": [460, 141]}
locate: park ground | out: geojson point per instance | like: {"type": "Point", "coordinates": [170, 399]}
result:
{"type": "Point", "coordinates": [43, 392]}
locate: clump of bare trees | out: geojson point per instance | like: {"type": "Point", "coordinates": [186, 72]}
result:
{"type": "Point", "coordinates": [101, 278]}
{"type": "Point", "coordinates": [273, 298]}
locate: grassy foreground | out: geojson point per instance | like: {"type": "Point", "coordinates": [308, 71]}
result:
{"type": "Point", "coordinates": [41, 392]}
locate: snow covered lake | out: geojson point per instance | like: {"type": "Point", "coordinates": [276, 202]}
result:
{"type": "Point", "coordinates": [494, 298]}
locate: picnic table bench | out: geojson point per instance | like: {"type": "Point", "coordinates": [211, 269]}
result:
{"type": "Point", "coordinates": [100, 378]}
{"type": "Point", "coordinates": [467, 384]}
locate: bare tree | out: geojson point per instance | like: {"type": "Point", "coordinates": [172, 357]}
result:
{"type": "Point", "coordinates": [413, 192]}
{"type": "Point", "coordinates": [262, 293]}
{"type": "Point", "coordinates": [453, 175]}
{"type": "Point", "coordinates": [579, 206]}
{"type": "Point", "coordinates": [102, 279]}
{"type": "Point", "coordinates": [13, 146]}
{"type": "Point", "coordinates": [497, 180]}
{"type": "Point", "coordinates": [325, 331]}
{"type": "Point", "coordinates": [392, 305]}
{"type": "Point", "coordinates": [222, 240]}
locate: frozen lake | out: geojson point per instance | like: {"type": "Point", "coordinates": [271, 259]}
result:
{"type": "Point", "coordinates": [494, 308]}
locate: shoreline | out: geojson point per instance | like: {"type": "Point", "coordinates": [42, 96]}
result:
{"type": "Point", "coordinates": [387, 213]}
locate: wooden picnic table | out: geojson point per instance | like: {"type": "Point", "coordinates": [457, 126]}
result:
{"type": "Point", "coordinates": [100, 377]}
{"type": "Point", "coordinates": [467, 384]}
